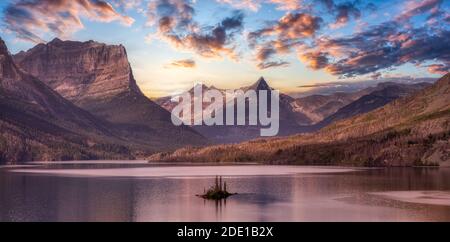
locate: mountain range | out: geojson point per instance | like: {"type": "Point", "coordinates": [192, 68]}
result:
{"type": "Point", "coordinates": [98, 78]}
{"type": "Point", "coordinates": [411, 130]}
{"type": "Point", "coordinates": [70, 100]}
{"type": "Point", "coordinates": [376, 97]}
{"type": "Point", "coordinates": [341, 86]}
{"type": "Point", "coordinates": [306, 114]}
{"type": "Point", "coordinates": [238, 133]}
{"type": "Point", "coordinates": [36, 123]}
{"type": "Point", "coordinates": [86, 92]}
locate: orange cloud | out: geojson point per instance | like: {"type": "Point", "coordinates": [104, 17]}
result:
{"type": "Point", "coordinates": [282, 36]}
{"type": "Point", "coordinates": [440, 69]}
{"type": "Point", "coordinates": [176, 26]}
{"type": "Point", "coordinates": [186, 63]}
{"type": "Point", "coordinates": [315, 60]}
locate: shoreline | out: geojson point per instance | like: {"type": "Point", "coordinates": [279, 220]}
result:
{"type": "Point", "coordinates": [163, 163]}
{"type": "Point", "coordinates": [187, 171]}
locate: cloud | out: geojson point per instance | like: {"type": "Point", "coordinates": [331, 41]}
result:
{"type": "Point", "coordinates": [125, 5]}
{"type": "Point", "coordinates": [380, 47]}
{"type": "Point", "coordinates": [282, 36]}
{"type": "Point", "coordinates": [343, 11]}
{"type": "Point", "coordinates": [288, 4]}
{"type": "Point", "coordinates": [376, 76]}
{"type": "Point", "coordinates": [252, 5]}
{"type": "Point", "coordinates": [186, 63]}
{"type": "Point", "coordinates": [414, 7]}
{"type": "Point", "coordinates": [331, 88]}
{"type": "Point", "coordinates": [175, 25]}
{"type": "Point", "coordinates": [255, 5]}
{"type": "Point", "coordinates": [440, 69]}
{"type": "Point", "coordinates": [31, 19]}
{"type": "Point", "coordinates": [267, 52]}
{"type": "Point", "coordinates": [290, 26]}
{"type": "Point", "coordinates": [315, 60]}
{"type": "Point", "coordinates": [270, 64]}
{"type": "Point", "coordinates": [318, 85]}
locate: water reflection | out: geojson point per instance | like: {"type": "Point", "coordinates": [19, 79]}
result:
{"type": "Point", "coordinates": [302, 197]}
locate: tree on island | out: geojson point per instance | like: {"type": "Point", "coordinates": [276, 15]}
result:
{"type": "Point", "coordinates": [218, 192]}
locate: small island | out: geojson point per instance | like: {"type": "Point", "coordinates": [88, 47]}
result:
{"type": "Point", "coordinates": [218, 191]}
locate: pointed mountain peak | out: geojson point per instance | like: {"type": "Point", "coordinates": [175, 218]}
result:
{"type": "Point", "coordinates": [3, 48]}
{"type": "Point", "coordinates": [261, 84]}
{"type": "Point", "coordinates": [7, 67]}
{"type": "Point", "coordinates": [261, 81]}
{"type": "Point", "coordinates": [444, 81]}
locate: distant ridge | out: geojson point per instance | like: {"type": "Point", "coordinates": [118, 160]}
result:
{"type": "Point", "coordinates": [382, 95]}
{"type": "Point", "coordinates": [410, 131]}
{"type": "Point", "coordinates": [306, 114]}
{"type": "Point", "coordinates": [236, 133]}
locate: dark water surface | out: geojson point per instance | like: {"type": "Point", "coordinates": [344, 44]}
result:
{"type": "Point", "coordinates": [140, 192]}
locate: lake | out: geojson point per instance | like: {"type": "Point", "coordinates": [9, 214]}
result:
{"type": "Point", "coordinates": [137, 191]}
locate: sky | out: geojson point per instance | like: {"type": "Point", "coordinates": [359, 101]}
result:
{"type": "Point", "coordinates": [173, 44]}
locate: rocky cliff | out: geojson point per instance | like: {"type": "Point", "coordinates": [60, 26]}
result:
{"type": "Point", "coordinates": [36, 123]}
{"type": "Point", "coordinates": [80, 71]}
{"type": "Point", "coordinates": [98, 78]}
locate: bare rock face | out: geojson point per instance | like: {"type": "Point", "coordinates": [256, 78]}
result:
{"type": "Point", "coordinates": [7, 68]}
{"type": "Point", "coordinates": [80, 71]}
{"type": "Point", "coordinates": [98, 78]}
{"type": "Point", "coordinates": [20, 85]}
{"type": "Point", "coordinates": [36, 123]}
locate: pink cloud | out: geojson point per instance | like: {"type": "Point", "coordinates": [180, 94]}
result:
{"type": "Point", "coordinates": [30, 19]}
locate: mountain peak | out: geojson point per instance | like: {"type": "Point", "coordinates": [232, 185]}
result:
{"type": "Point", "coordinates": [262, 80]}
{"type": "Point", "coordinates": [3, 48]}
{"type": "Point", "coordinates": [445, 80]}
{"type": "Point", "coordinates": [55, 41]}
{"type": "Point", "coordinates": [102, 70]}
{"type": "Point", "coordinates": [261, 84]}
{"type": "Point", "coordinates": [71, 45]}
{"type": "Point", "coordinates": [7, 67]}
{"type": "Point", "coordinates": [98, 78]}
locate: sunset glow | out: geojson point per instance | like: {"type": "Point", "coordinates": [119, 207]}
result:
{"type": "Point", "coordinates": [173, 44]}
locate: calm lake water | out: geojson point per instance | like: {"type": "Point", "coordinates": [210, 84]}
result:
{"type": "Point", "coordinates": [112, 191]}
